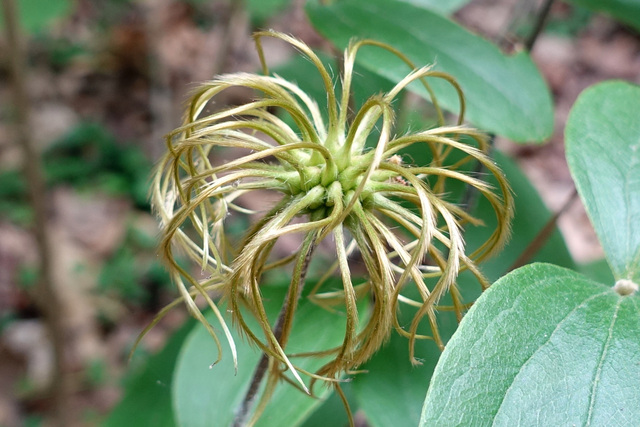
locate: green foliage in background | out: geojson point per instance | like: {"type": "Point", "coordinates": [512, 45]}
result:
{"type": "Point", "coordinates": [13, 198]}
{"type": "Point", "coordinates": [88, 158]}
{"type": "Point", "coordinates": [36, 15]}
{"type": "Point", "coordinates": [133, 273]}
{"type": "Point", "coordinates": [627, 11]}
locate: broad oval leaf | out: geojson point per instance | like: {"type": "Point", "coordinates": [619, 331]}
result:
{"type": "Point", "coordinates": [544, 346]}
{"type": "Point", "coordinates": [505, 94]}
{"type": "Point", "coordinates": [627, 11]}
{"type": "Point", "coordinates": [204, 396]}
{"type": "Point", "coordinates": [603, 151]}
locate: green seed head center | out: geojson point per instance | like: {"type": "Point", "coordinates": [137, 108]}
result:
{"type": "Point", "coordinates": [332, 177]}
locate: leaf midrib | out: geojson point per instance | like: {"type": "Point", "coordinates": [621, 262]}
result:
{"type": "Point", "coordinates": [543, 344]}
{"type": "Point", "coordinates": [605, 348]}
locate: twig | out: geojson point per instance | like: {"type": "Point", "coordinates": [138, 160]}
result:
{"type": "Point", "coordinates": [45, 296]}
{"type": "Point", "coordinates": [541, 18]}
{"type": "Point", "coordinates": [250, 397]}
{"type": "Point", "coordinates": [261, 369]}
{"type": "Point", "coordinates": [543, 235]}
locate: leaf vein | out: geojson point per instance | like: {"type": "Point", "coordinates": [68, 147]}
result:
{"type": "Point", "coordinates": [582, 304]}
{"type": "Point", "coordinates": [603, 355]}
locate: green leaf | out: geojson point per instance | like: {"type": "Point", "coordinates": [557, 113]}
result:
{"type": "Point", "coordinates": [35, 15]}
{"type": "Point", "coordinates": [147, 396]}
{"type": "Point", "coordinates": [390, 392]}
{"type": "Point", "coordinates": [203, 394]}
{"type": "Point", "coordinates": [544, 346]}
{"type": "Point", "coordinates": [603, 151]}
{"type": "Point", "coordinates": [627, 11]}
{"type": "Point", "coordinates": [444, 7]}
{"type": "Point", "coordinates": [332, 412]}
{"type": "Point", "coordinates": [505, 94]}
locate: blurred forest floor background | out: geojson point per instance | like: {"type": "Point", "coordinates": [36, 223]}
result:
{"type": "Point", "coordinates": [106, 80]}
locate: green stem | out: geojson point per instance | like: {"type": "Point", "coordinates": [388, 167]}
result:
{"type": "Point", "coordinates": [244, 411]}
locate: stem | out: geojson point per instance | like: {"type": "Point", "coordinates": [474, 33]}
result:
{"type": "Point", "coordinates": [250, 397]}
{"type": "Point", "coordinates": [539, 25]}
{"type": "Point", "coordinates": [45, 296]}
{"type": "Point", "coordinates": [261, 369]}
{"type": "Point", "coordinates": [543, 235]}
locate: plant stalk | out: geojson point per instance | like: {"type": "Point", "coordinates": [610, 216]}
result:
{"type": "Point", "coordinates": [541, 19]}
{"type": "Point", "coordinates": [46, 296]}
{"type": "Point", "coordinates": [244, 411]}
{"type": "Point", "coordinates": [543, 235]}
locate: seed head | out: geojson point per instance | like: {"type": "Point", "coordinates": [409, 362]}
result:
{"type": "Point", "coordinates": [344, 181]}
